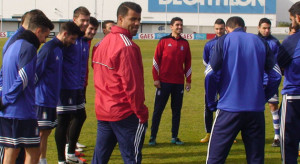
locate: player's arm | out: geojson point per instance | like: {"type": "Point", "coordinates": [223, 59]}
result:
{"type": "Point", "coordinates": [133, 81]}
{"type": "Point", "coordinates": [156, 63]}
{"type": "Point", "coordinates": [188, 68]}
{"type": "Point", "coordinates": [274, 74]}
{"type": "Point", "coordinates": [216, 59]}
{"type": "Point", "coordinates": [206, 52]}
{"type": "Point", "coordinates": [211, 87]}
{"type": "Point", "coordinates": [284, 58]}
{"type": "Point", "coordinates": [42, 59]}
{"type": "Point", "coordinates": [26, 72]}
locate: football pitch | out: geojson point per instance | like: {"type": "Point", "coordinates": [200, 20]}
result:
{"type": "Point", "coordinates": [191, 127]}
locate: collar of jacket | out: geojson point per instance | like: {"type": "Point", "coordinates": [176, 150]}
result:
{"type": "Point", "coordinates": [31, 38]}
{"type": "Point", "coordinates": [117, 29]}
{"type": "Point", "coordinates": [239, 29]}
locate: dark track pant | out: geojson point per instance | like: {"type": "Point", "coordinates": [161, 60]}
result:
{"type": "Point", "coordinates": [161, 99]}
{"type": "Point", "coordinates": [208, 118]}
{"type": "Point", "coordinates": [225, 129]}
{"type": "Point", "coordinates": [290, 128]}
{"type": "Point", "coordinates": [70, 125]}
{"type": "Point", "coordinates": [128, 133]}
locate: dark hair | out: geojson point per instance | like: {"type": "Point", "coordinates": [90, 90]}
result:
{"type": "Point", "coordinates": [234, 22]}
{"type": "Point", "coordinates": [81, 10]}
{"type": "Point", "coordinates": [175, 19]}
{"type": "Point", "coordinates": [26, 17]}
{"type": "Point", "coordinates": [264, 20]}
{"type": "Point", "coordinates": [40, 21]}
{"type": "Point", "coordinates": [94, 22]}
{"type": "Point", "coordinates": [125, 6]}
{"type": "Point", "coordinates": [106, 22]}
{"type": "Point", "coordinates": [220, 21]}
{"type": "Point", "coordinates": [295, 9]}
{"type": "Point", "coordinates": [71, 28]}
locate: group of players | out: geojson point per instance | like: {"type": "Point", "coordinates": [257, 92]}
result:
{"type": "Point", "coordinates": [44, 90]}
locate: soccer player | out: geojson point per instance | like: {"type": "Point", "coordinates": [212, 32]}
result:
{"type": "Point", "coordinates": [219, 28]}
{"type": "Point", "coordinates": [119, 84]}
{"type": "Point", "coordinates": [171, 65]}
{"type": "Point", "coordinates": [106, 26]}
{"type": "Point", "coordinates": [89, 35]}
{"type": "Point", "coordinates": [71, 106]}
{"type": "Point", "coordinates": [288, 59]}
{"type": "Point", "coordinates": [24, 26]}
{"type": "Point", "coordinates": [242, 58]}
{"type": "Point", "coordinates": [49, 74]}
{"type": "Point", "coordinates": [264, 31]}
{"type": "Point", "coordinates": [19, 127]}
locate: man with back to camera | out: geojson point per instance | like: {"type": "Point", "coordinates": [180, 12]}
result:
{"type": "Point", "coordinates": [119, 83]}
{"type": "Point", "coordinates": [49, 74]}
{"type": "Point", "coordinates": [169, 76]}
{"type": "Point", "coordinates": [219, 28]}
{"type": "Point", "coordinates": [19, 127]}
{"type": "Point", "coordinates": [24, 26]}
{"type": "Point", "coordinates": [71, 106]}
{"type": "Point", "coordinates": [288, 59]}
{"type": "Point", "coordinates": [264, 31]}
{"type": "Point", "coordinates": [242, 58]}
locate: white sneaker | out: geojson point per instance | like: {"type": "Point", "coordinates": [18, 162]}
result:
{"type": "Point", "coordinates": [79, 149]}
{"type": "Point", "coordinates": [79, 145]}
{"type": "Point", "coordinates": [71, 159]}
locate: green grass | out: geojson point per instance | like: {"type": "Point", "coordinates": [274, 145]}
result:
{"type": "Point", "coordinates": [191, 127]}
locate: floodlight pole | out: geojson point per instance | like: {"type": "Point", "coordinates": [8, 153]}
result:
{"type": "Point", "coordinates": [166, 17]}
{"type": "Point", "coordinates": [198, 17]}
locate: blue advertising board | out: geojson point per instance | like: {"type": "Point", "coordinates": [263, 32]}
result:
{"type": "Point", "coordinates": [213, 6]}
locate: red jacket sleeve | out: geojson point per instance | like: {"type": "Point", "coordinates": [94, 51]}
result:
{"type": "Point", "coordinates": [188, 65]}
{"type": "Point", "coordinates": [157, 60]}
{"type": "Point", "coordinates": [132, 76]}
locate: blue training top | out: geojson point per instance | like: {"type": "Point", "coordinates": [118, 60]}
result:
{"type": "Point", "coordinates": [207, 51]}
{"type": "Point", "coordinates": [10, 41]}
{"type": "Point", "coordinates": [242, 58]}
{"type": "Point", "coordinates": [74, 59]}
{"type": "Point", "coordinates": [49, 72]}
{"type": "Point", "coordinates": [19, 65]}
{"type": "Point", "coordinates": [289, 59]}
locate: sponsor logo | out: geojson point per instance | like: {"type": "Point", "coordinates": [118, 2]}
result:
{"type": "Point", "coordinates": [169, 45]}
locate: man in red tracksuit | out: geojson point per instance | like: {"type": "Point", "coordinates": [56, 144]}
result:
{"type": "Point", "coordinates": [119, 84]}
{"type": "Point", "coordinates": [171, 65]}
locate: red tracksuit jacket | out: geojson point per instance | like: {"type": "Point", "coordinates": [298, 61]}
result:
{"type": "Point", "coordinates": [172, 60]}
{"type": "Point", "coordinates": [119, 78]}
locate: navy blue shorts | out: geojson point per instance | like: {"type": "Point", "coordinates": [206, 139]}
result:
{"type": "Point", "coordinates": [15, 133]}
{"type": "Point", "coordinates": [70, 101]}
{"type": "Point", "coordinates": [46, 117]}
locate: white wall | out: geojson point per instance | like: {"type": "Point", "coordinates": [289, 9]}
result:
{"type": "Point", "coordinates": [106, 9]}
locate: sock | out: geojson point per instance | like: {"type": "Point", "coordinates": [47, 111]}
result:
{"type": "Point", "coordinates": [71, 155]}
{"type": "Point", "coordinates": [62, 162]}
{"type": "Point", "coordinates": [275, 117]}
{"type": "Point", "coordinates": [43, 161]}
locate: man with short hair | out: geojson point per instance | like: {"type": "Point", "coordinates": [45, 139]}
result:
{"type": "Point", "coordinates": [264, 31]}
{"type": "Point", "coordinates": [219, 28]}
{"type": "Point", "coordinates": [119, 83]}
{"type": "Point", "coordinates": [71, 105]}
{"type": "Point", "coordinates": [19, 127]}
{"type": "Point", "coordinates": [106, 26]}
{"type": "Point", "coordinates": [24, 26]}
{"type": "Point", "coordinates": [48, 82]}
{"type": "Point", "coordinates": [171, 68]}
{"type": "Point", "coordinates": [242, 59]}
{"type": "Point", "coordinates": [288, 59]}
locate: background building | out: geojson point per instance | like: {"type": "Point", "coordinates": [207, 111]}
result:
{"type": "Point", "coordinates": [198, 15]}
